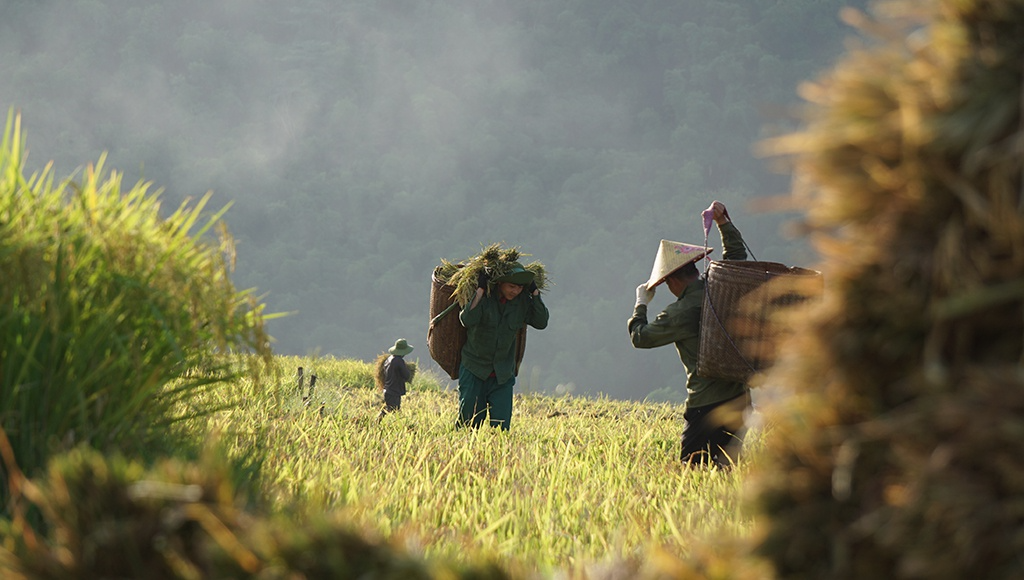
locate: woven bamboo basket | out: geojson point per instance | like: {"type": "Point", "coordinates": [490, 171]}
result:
{"type": "Point", "coordinates": [745, 311]}
{"type": "Point", "coordinates": [446, 336]}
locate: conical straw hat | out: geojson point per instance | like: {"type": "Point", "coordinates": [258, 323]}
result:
{"type": "Point", "coordinates": [672, 256]}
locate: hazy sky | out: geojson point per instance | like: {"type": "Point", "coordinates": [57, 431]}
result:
{"type": "Point", "coordinates": [403, 119]}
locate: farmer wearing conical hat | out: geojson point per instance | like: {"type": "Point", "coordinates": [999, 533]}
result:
{"type": "Point", "coordinates": [713, 415]}
{"type": "Point", "coordinates": [493, 320]}
{"type": "Point", "coordinates": [396, 375]}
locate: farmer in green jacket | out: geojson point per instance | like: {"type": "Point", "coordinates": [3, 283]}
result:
{"type": "Point", "coordinates": [493, 320]}
{"type": "Point", "coordinates": [713, 417]}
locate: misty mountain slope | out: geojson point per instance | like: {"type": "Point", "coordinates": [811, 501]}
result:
{"type": "Point", "coordinates": [361, 142]}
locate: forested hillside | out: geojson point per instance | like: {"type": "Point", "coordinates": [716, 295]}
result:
{"type": "Point", "coordinates": [361, 142]}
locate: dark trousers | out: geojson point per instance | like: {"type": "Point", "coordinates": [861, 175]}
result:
{"type": "Point", "coordinates": [391, 403]}
{"type": "Point", "coordinates": [478, 398]}
{"type": "Point", "coordinates": [713, 434]}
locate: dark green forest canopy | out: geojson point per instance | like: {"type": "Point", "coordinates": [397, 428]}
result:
{"type": "Point", "coordinates": [362, 142]}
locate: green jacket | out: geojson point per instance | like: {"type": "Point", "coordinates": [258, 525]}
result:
{"type": "Point", "coordinates": [679, 323]}
{"type": "Point", "coordinates": [491, 330]}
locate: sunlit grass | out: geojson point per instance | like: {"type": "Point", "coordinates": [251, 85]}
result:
{"type": "Point", "coordinates": [574, 481]}
{"type": "Point", "coordinates": [104, 300]}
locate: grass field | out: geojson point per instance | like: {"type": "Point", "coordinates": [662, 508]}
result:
{"type": "Point", "coordinates": [575, 483]}
{"type": "Point", "coordinates": [116, 385]}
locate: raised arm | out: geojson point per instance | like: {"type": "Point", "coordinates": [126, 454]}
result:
{"type": "Point", "coordinates": [732, 239]}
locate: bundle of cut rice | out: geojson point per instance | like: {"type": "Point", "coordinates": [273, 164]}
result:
{"type": "Point", "coordinates": [495, 260]}
{"type": "Point", "coordinates": [378, 367]}
{"type": "Point", "coordinates": [899, 452]}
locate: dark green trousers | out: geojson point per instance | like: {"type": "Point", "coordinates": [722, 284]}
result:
{"type": "Point", "coordinates": [478, 398]}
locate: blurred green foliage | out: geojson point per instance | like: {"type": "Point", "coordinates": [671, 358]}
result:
{"type": "Point", "coordinates": [103, 305]}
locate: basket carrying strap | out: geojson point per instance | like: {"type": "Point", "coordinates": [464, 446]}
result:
{"type": "Point", "coordinates": [436, 319]}
{"type": "Point", "coordinates": [708, 216]}
{"type": "Point", "coordinates": [718, 319]}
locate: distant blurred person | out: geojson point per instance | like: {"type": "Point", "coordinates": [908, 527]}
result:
{"type": "Point", "coordinates": [715, 409]}
{"type": "Point", "coordinates": [493, 321]}
{"type": "Point", "coordinates": [396, 374]}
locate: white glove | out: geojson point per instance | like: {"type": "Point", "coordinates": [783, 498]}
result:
{"type": "Point", "coordinates": [643, 295]}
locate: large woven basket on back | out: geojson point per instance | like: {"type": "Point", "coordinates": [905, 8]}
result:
{"type": "Point", "coordinates": [446, 336]}
{"type": "Point", "coordinates": [746, 304]}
